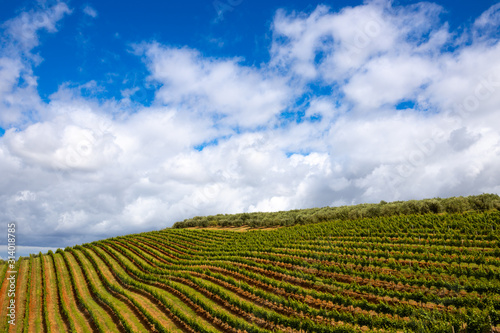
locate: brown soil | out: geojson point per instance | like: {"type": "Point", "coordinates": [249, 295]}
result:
{"type": "Point", "coordinates": [35, 308]}
{"type": "Point", "coordinates": [237, 229]}
{"type": "Point", "coordinates": [81, 286]}
{"type": "Point", "coordinates": [69, 298]}
{"type": "Point", "coordinates": [3, 302]}
{"type": "Point", "coordinates": [52, 297]}
{"type": "Point", "coordinates": [143, 301]}
{"type": "Point", "coordinates": [128, 315]}
{"type": "Point", "coordinates": [21, 292]}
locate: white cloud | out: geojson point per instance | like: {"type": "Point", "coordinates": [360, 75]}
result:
{"type": "Point", "coordinates": [236, 94]}
{"type": "Point", "coordinates": [19, 100]}
{"type": "Point", "coordinates": [25, 196]}
{"type": "Point", "coordinates": [270, 205]}
{"type": "Point", "coordinates": [487, 24]}
{"type": "Point", "coordinates": [24, 28]}
{"type": "Point", "coordinates": [214, 139]}
{"type": "Point", "coordinates": [387, 80]}
{"type": "Point", "coordinates": [90, 11]}
{"type": "Point", "coordinates": [73, 140]}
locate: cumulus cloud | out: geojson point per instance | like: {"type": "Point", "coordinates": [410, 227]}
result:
{"type": "Point", "coordinates": [410, 111]}
{"type": "Point", "coordinates": [23, 30]}
{"type": "Point", "coordinates": [19, 98]}
{"type": "Point", "coordinates": [90, 11]}
{"type": "Point", "coordinates": [221, 88]}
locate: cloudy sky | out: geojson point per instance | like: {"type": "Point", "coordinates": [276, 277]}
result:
{"type": "Point", "coordinates": [122, 119]}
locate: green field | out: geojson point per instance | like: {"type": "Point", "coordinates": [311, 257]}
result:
{"type": "Point", "coordinates": [435, 272]}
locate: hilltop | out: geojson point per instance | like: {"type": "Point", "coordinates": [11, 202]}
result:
{"type": "Point", "coordinates": [315, 215]}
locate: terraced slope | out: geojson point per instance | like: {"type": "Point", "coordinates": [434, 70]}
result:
{"type": "Point", "coordinates": [415, 273]}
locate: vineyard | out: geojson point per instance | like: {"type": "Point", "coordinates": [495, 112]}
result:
{"type": "Point", "coordinates": [405, 273]}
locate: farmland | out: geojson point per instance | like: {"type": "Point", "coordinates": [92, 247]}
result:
{"type": "Point", "coordinates": [415, 273]}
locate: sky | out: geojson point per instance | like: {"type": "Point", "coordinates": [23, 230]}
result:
{"type": "Point", "coordinates": [117, 119]}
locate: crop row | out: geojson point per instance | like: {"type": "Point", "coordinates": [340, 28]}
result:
{"type": "Point", "coordinates": [437, 273]}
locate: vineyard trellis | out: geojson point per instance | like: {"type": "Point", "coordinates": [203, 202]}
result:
{"type": "Point", "coordinates": [414, 273]}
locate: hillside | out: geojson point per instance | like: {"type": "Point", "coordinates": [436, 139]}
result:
{"type": "Point", "coordinates": [314, 215]}
{"type": "Point", "coordinates": [415, 273]}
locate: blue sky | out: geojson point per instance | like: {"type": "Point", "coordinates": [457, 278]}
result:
{"type": "Point", "coordinates": [98, 48]}
{"type": "Point", "coordinates": [120, 119]}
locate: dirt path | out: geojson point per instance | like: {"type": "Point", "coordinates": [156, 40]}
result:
{"type": "Point", "coordinates": [237, 229]}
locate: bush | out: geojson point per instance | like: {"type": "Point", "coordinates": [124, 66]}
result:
{"type": "Point", "coordinates": [314, 215]}
{"type": "Point", "coordinates": [374, 211]}
{"type": "Point", "coordinates": [434, 206]}
{"type": "Point", "coordinates": [456, 205]}
{"type": "Point", "coordinates": [483, 201]}
{"type": "Point", "coordinates": [410, 207]}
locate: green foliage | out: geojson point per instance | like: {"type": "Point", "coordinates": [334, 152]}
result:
{"type": "Point", "coordinates": [397, 267]}
{"type": "Point", "coordinates": [432, 253]}
{"type": "Point", "coordinates": [481, 202]}
{"type": "Point", "coordinates": [478, 321]}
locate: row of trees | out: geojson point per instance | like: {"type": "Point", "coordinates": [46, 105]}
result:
{"type": "Point", "coordinates": [315, 215]}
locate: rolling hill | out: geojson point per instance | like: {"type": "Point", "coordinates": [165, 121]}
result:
{"type": "Point", "coordinates": [416, 272]}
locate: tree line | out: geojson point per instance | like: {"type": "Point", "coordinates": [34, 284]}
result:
{"type": "Point", "coordinates": [482, 202]}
